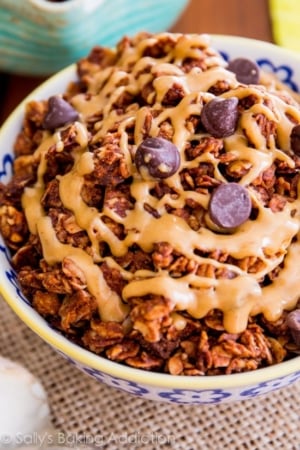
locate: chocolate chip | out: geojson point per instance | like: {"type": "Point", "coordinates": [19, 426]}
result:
{"type": "Point", "coordinates": [219, 116]}
{"type": "Point", "coordinates": [230, 205]}
{"type": "Point", "coordinates": [246, 70]}
{"type": "Point", "coordinates": [293, 323]}
{"type": "Point", "coordinates": [295, 139]}
{"type": "Point", "coordinates": [157, 158]}
{"type": "Point", "coordinates": [59, 113]}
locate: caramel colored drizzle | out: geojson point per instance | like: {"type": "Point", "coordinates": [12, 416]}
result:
{"type": "Point", "coordinates": [109, 303]}
{"type": "Point", "coordinates": [268, 237]}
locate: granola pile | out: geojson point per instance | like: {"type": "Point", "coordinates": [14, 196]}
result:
{"type": "Point", "coordinates": [153, 214]}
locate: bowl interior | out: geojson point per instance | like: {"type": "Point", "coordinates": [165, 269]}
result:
{"type": "Point", "coordinates": [284, 64]}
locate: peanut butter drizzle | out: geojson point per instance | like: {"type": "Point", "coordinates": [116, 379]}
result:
{"type": "Point", "coordinates": [268, 237]}
{"type": "Point", "coordinates": [109, 303]}
{"type": "Point", "coordinates": [31, 199]}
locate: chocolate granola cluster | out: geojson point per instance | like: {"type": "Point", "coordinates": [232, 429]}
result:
{"type": "Point", "coordinates": [153, 214]}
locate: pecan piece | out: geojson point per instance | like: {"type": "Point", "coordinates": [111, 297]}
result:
{"type": "Point", "coordinates": [120, 352]}
{"type": "Point", "coordinates": [46, 303]}
{"type": "Point", "coordinates": [145, 361]}
{"type": "Point", "coordinates": [102, 335]}
{"type": "Point", "coordinates": [149, 317]}
{"type": "Point", "coordinates": [54, 280]}
{"type": "Point", "coordinates": [76, 308]}
{"type": "Point", "coordinates": [74, 273]}
{"type": "Point", "coordinates": [13, 226]}
{"type": "Point", "coordinates": [241, 365]}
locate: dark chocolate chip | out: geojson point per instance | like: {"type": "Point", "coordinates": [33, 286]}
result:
{"type": "Point", "coordinates": [293, 323]}
{"type": "Point", "coordinates": [59, 113]}
{"type": "Point", "coordinates": [295, 139]}
{"type": "Point", "coordinates": [157, 158]}
{"type": "Point", "coordinates": [230, 205]}
{"type": "Point", "coordinates": [219, 116]}
{"type": "Point", "coordinates": [246, 70]}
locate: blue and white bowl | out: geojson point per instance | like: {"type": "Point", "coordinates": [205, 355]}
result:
{"type": "Point", "coordinates": [162, 387]}
{"type": "Point", "coordinates": [40, 37]}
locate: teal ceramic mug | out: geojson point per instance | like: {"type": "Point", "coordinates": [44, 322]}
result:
{"type": "Point", "coordinates": [39, 37]}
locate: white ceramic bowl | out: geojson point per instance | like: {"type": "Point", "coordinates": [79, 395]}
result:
{"type": "Point", "coordinates": [162, 387]}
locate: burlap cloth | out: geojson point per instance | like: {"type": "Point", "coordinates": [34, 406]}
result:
{"type": "Point", "coordinates": [92, 413]}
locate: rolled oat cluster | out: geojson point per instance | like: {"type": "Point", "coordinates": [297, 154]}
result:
{"type": "Point", "coordinates": [154, 210]}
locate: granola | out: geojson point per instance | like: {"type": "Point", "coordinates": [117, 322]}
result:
{"type": "Point", "coordinates": [153, 214]}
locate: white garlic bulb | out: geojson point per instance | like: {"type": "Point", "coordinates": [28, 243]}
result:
{"type": "Point", "coordinates": [24, 410]}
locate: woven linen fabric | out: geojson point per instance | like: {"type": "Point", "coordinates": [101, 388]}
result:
{"type": "Point", "coordinates": [285, 20]}
{"type": "Point", "coordinates": [89, 414]}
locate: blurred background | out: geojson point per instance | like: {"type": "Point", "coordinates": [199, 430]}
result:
{"type": "Point", "coordinates": [39, 37]}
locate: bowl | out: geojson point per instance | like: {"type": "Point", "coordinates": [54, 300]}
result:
{"type": "Point", "coordinates": [213, 389]}
{"type": "Point", "coordinates": [40, 37]}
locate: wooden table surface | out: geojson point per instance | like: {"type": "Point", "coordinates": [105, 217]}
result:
{"type": "Point", "coordinates": [248, 18]}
